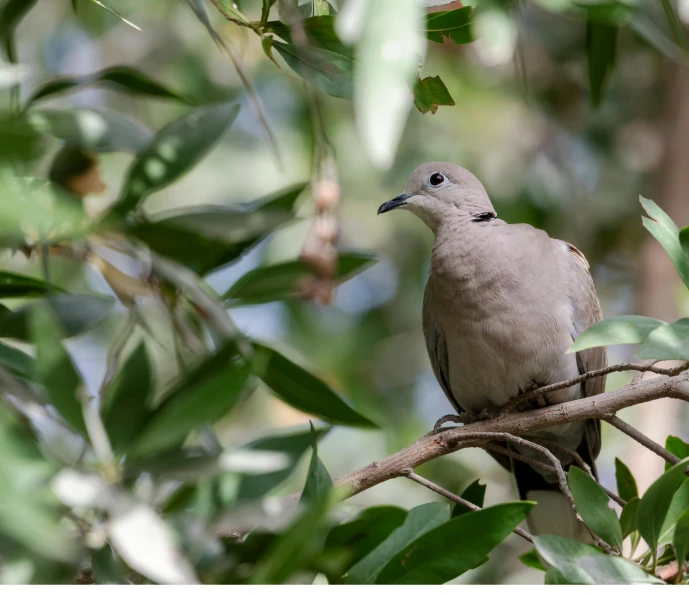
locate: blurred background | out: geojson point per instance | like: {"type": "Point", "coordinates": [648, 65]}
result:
{"type": "Point", "coordinates": [523, 122]}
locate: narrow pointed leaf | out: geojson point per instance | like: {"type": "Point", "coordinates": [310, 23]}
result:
{"type": "Point", "coordinates": [318, 481]}
{"type": "Point", "coordinates": [601, 43]}
{"type": "Point", "coordinates": [626, 483]}
{"type": "Point", "coordinates": [628, 516]}
{"type": "Point", "coordinates": [680, 541]}
{"type": "Point", "coordinates": [676, 446]}
{"type": "Point", "coordinates": [474, 493]}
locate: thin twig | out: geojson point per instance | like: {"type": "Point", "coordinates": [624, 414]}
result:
{"type": "Point", "coordinates": [526, 396]}
{"type": "Point", "coordinates": [642, 439]}
{"type": "Point", "coordinates": [459, 500]}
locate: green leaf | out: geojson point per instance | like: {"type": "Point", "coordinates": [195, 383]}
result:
{"type": "Point", "coordinates": [680, 540]}
{"type": "Point", "coordinates": [601, 43]}
{"type": "Point", "coordinates": [176, 149]}
{"type": "Point", "coordinates": [592, 504]}
{"type": "Point", "coordinates": [666, 232]}
{"type": "Point", "coordinates": [318, 481]}
{"type": "Point", "coordinates": [54, 369]}
{"type": "Point", "coordinates": [11, 14]}
{"type": "Point", "coordinates": [453, 24]}
{"type": "Point", "coordinates": [419, 521]}
{"type": "Point", "coordinates": [676, 446]}
{"type": "Point", "coordinates": [228, 9]}
{"type": "Point", "coordinates": [16, 361]}
{"type": "Point", "coordinates": [125, 405]}
{"type": "Point", "coordinates": [531, 559]}
{"type": "Point", "coordinates": [430, 93]}
{"type": "Point", "coordinates": [626, 483]}
{"type": "Point", "coordinates": [302, 390]}
{"type": "Point", "coordinates": [617, 330]}
{"type": "Point", "coordinates": [292, 444]}
{"type": "Point", "coordinates": [117, 14]}
{"type": "Point", "coordinates": [579, 563]}
{"type": "Point", "coordinates": [679, 503]}
{"type": "Point", "coordinates": [667, 342]}
{"type": "Point", "coordinates": [455, 547]}
{"type": "Point", "coordinates": [474, 493]}
{"type": "Point", "coordinates": [628, 516]}
{"type": "Point", "coordinates": [684, 241]}
{"type": "Point", "coordinates": [203, 396]}
{"type": "Point", "coordinates": [282, 281]}
{"type": "Point", "coordinates": [17, 285]}
{"type": "Point", "coordinates": [119, 78]}
{"type": "Point", "coordinates": [332, 73]}
{"type": "Point", "coordinates": [90, 129]}
{"type": "Point", "coordinates": [319, 31]}
{"type": "Point", "coordinates": [655, 504]}
{"type": "Point", "coordinates": [363, 534]}
{"type": "Point", "coordinates": [75, 313]}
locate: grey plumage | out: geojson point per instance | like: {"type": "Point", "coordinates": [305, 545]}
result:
{"type": "Point", "coordinates": [502, 305]}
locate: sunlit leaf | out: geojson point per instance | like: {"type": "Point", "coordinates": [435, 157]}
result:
{"type": "Point", "coordinates": [667, 342]}
{"type": "Point", "coordinates": [617, 330]}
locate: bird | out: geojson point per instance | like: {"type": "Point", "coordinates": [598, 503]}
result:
{"type": "Point", "coordinates": [502, 305]}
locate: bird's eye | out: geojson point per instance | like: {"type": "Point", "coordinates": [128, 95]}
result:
{"type": "Point", "coordinates": [436, 179]}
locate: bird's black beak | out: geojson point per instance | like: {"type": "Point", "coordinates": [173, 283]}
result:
{"type": "Point", "coordinates": [394, 203]}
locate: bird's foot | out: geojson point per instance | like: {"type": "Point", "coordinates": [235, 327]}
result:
{"type": "Point", "coordinates": [465, 418]}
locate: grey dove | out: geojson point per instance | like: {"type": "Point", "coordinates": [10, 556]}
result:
{"type": "Point", "coordinates": [502, 305]}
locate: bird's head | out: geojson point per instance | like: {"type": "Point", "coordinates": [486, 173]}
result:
{"type": "Point", "coordinates": [437, 192]}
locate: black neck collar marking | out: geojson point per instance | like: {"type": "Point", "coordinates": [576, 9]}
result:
{"type": "Point", "coordinates": [482, 217]}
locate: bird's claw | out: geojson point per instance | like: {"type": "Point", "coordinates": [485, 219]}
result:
{"type": "Point", "coordinates": [464, 418]}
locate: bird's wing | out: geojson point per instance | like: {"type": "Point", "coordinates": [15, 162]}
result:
{"type": "Point", "coordinates": [437, 349]}
{"type": "Point", "coordinates": [586, 312]}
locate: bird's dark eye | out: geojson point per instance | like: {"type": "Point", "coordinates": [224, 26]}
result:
{"type": "Point", "coordinates": [436, 179]}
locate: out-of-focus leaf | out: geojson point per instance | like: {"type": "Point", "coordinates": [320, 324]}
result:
{"type": "Point", "coordinates": [119, 78]}
{"type": "Point", "coordinates": [319, 483]}
{"type": "Point", "coordinates": [117, 14]}
{"type": "Point", "coordinates": [370, 528]}
{"type": "Point", "coordinates": [474, 493]}
{"type": "Point", "coordinates": [626, 483]}
{"type": "Point", "coordinates": [680, 541]}
{"type": "Point", "coordinates": [531, 559]}
{"type": "Point", "coordinates": [203, 396]}
{"type": "Point", "coordinates": [282, 281]}
{"type": "Point", "coordinates": [617, 330]}
{"type": "Point", "coordinates": [430, 93]}
{"type": "Point", "coordinates": [229, 9]}
{"type": "Point", "coordinates": [53, 367]}
{"type": "Point", "coordinates": [11, 14]}
{"type": "Point", "coordinates": [667, 342]}
{"type": "Point", "coordinates": [655, 504]}
{"type": "Point", "coordinates": [302, 390]}
{"type": "Point", "coordinates": [173, 152]}
{"type": "Point", "coordinates": [453, 24]}
{"type": "Point", "coordinates": [592, 505]}
{"type": "Point", "coordinates": [16, 361]}
{"type": "Point", "coordinates": [663, 228]}
{"type": "Point", "coordinates": [75, 313]}
{"type": "Point", "coordinates": [628, 516]}
{"type": "Point", "coordinates": [125, 405]}
{"type": "Point", "coordinates": [454, 547]}
{"type": "Point", "coordinates": [292, 444]}
{"type": "Point", "coordinates": [147, 544]}
{"type": "Point", "coordinates": [332, 73]}
{"type": "Point", "coordinates": [106, 569]}
{"type": "Point", "coordinates": [319, 31]}
{"type": "Point", "coordinates": [684, 241]}
{"type": "Point", "coordinates": [419, 521]}
{"type": "Point", "coordinates": [579, 563]}
{"type": "Point", "coordinates": [601, 43]}
{"type": "Point", "coordinates": [90, 129]}
{"type": "Point", "coordinates": [18, 285]}
{"type": "Point", "coordinates": [676, 446]}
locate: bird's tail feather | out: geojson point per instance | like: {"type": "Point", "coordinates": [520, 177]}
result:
{"type": "Point", "coordinates": [553, 514]}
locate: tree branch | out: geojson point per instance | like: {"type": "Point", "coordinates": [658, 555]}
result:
{"type": "Point", "coordinates": [647, 442]}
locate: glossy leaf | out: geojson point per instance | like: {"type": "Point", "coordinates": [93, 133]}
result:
{"type": "Point", "coordinates": [419, 521]}
{"type": "Point", "coordinates": [655, 504]}
{"type": "Point", "coordinates": [676, 446]}
{"type": "Point", "coordinates": [119, 78]}
{"type": "Point", "coordinates": [680, 541]}
{"type": "Point", "coordinates": [203, 396]}
{"type": "Point", "coordinates": [617, 330]}
{"type": "Point", "coordinates": [592, 504]}
{"type": "Point", "coordinates": [54, 369]}
{"type": "Point", "coordinates": [662, 227]}
{"type": "Point", "coordinates": [430, 93]}
{"type": "Point", "coordinates": [125, 405]}
{"type": "Point", "coordinates": [474, 493]}
{"type": "Point", "coordinates": [455, 547]}
{"type": "Point", "coordinates": [332, 73]}
{"type": "Point", "coordinates": [90, 129]}
{"type": "Point", "coordinates": [452, 24]}
{"type": "Point", "coordinates": [628, 516]}
{"type": "Point", "coordinates": [626, 483]}
{"type": "Point", "coordinates": [579, 563]}
{"type": "Point", "coordinates": [282, 281]}
{"type": "Point", "coordinates": [318, 480]}
{"type": "Point", "coordinates": [679, 503]}
{"type": "Point", "coordinates": [18, 285]}
{"type": "Point", "coordinates": [601, 43]}
{"type": "Point", "coordinates": [667, 342]}
{"type": "Point", "coordinates": [75, 313]}
{"type": "Point", "coordinates": [302, 390]}
{"type": "Point", "coordinates": [174, 151]}
{"type": "Point", "coordinates": [293, 445]}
